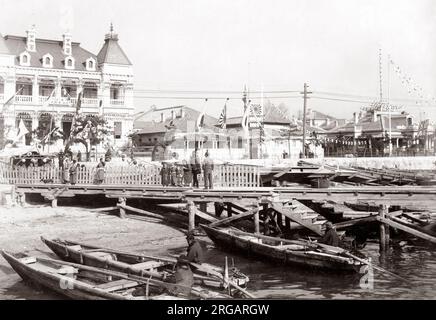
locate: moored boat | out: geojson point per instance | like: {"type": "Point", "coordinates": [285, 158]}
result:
{"type": "Point", "coordinates": [290, 252]}
{"type": "Point", "coordinates": [83, 282]}
{"type": "Point", "coordinates": [160, 268]}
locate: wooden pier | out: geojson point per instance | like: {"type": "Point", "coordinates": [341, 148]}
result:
{"type": "Point", "coordinates": [236, 190]}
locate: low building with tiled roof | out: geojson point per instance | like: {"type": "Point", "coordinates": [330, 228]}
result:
{"type": "Point", "coordinates": [369, 133]}
{"type": "Point", "coordinates": [42, 78]}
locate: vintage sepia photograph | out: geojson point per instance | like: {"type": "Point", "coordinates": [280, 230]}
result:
{"type": "Point", "coordinates": [213, 150]}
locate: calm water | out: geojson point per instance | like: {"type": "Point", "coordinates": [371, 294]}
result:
{"type": "Point", "coordinates": [415, 263]}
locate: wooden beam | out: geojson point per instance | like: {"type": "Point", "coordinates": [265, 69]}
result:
{"type": "Point", "coordinates": [296, 218]}
{"type": "Point", "coordinates": [346, 224]}
{"type": "Point", "coordinates": [147, 213]}
{"type": "Point", "coordinates": [402, 227]}
{"type": "Point", "coordinates": [233, 218]}
{"type": "Point", "coordinates": [205, 216]}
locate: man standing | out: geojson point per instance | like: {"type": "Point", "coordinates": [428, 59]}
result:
{"type": "Point", "coordinates": [208, 171]}
{"type": "Point", "coordinates": [330, 237]}
{"type": "Point", "coordinates": [195, 167]}
{"type": "Point", "coordinates": [195, 252]}
{"type": "Point", "coordinates": [73, 172]}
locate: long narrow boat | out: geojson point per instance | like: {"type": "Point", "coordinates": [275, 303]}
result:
{"type": "Point", "coordinates": [82, 282]}
{"type": "Point", "coordinates": [143, 265]}
{"type": "Point", "coordinates": [290, 252]}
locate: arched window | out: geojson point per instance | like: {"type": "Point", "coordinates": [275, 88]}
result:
{"type": "Point", "coordinates": [90, 64]}
{"type": "Point", "coordinates": [47, 61]}
{"type": "Point", "coordinates": [25, 59]}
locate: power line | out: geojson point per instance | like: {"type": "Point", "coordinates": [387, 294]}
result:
{"type": "Point", "coordinates": [213, 98]}
{"type": "Point", "coordinates": [211, 91]}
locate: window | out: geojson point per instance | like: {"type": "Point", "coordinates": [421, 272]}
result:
{"type": "Point", "coordinates": [47, 61]}
{"type": "Point", "coordinates": [90, 64]}
{"type": "Point", "coordinates": [117, 129]}
{"type": "Point", "coordinates": [240, 143]}
{"type": "Point", "coordinates": [25, 59]}
{"type": "Point", "coordinates": [69, 63]}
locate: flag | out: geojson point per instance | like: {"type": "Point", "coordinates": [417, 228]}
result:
{"type": "Point", "coordinates": [200, 122]}
{"type": "Point", "coordinates": [8, 102]}
{"type": "Point", "coordinates": [22, 130]}
{"type": "Point", "coordinates": [47, 102]}
{"type": "Point", "coordinates": [79, 103]}
{"type": "Point", "coordinates": [222, 121]}
{"type": "Point", "coordinates": [244, 123]}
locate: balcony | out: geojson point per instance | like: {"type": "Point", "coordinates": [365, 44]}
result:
{"type": "Point", "coordinates": [22, 99]}
{"type": "Point", "coordinates": [117, 102]}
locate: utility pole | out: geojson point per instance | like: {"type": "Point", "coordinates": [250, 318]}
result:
{"type": "Point", "coordinates": [305, 97]}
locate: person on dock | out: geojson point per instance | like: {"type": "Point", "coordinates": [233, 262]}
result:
{"type": "Point", "coordinates": [179, 174]}
{"type": "Point", "coordinates": [66, 171]}
{"type": "Point", "coordinates": [187, 174]}
{"type": "Point", "coordinates": [208, 171]}
{"type": "Point", "coordinates": [73, 172]}
{"type": "Point", "coordinates": [173, 174]}
{"type": "Point", "coordinates": [183, 277]}
{"type": "Point", "coordinates": [164, 174]}
{"type": "Point", "coordinates": [195, 168]}
{"type": "Point", "coordinates": [195, 251]}
{"type": "Point", "coordinates": [330, 237]}
{"type": "Point", "coordinates": [99, 175]}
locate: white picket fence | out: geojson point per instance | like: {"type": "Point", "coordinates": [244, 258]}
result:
{"type": "Point", "coordinates": [224, 175]}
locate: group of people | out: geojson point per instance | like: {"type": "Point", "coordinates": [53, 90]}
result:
{"type": "Point", "coordinates": [186, 173]}
{"type": "Point", "coordinates": [70, 168]}
{"type": "Point", "coordinates": [69, 171]}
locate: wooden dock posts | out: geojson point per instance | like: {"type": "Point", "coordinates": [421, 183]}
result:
{"type": "Point", "coordinates": [121, 205]}
{"type": "Point", "coordinates": [192, 210]}
{"type": "Point", "coordinates": [256, 220]}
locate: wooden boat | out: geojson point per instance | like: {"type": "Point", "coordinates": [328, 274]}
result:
{"type": "Point", "coordinates": [291, 252]}
{"type": "Point", "coordinates": [142, 265]}
{"type": "Point", "coordinates": [82, 282]}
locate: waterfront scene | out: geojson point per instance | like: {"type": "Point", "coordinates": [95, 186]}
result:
{"type": "Point", "coordinates": [174, 159]}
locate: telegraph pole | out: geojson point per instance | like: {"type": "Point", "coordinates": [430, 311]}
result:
{"type": "Point", "coordinates": [305, 97]}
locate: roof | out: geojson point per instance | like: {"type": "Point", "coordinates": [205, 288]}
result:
{"type": "Point", "coordinates": [185, 123]}
{"type": "Point", "coordinates": [3, 47]}
{"type": "Point", "coordinates": [111, 51]}
{"type": "Point", "coordinates": [398, 122]}
{"type": "Point", "coordinates": [316, 115]}
{"type": "Point", "coordinates": [17, 45]}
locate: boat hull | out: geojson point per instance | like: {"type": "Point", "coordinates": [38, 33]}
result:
{"type": "Point", "coordinates": [52, 282]}
{"type": "Point", "coordinates": [285, 257]}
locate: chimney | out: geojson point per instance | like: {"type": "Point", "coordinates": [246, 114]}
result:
{"type": "Point", "coordinates": [31, 39]}
{"type": "Point", "coordinates": [356, 119]}
{"type": "Point", "coordinates": [66, 45]}
{"type": "Point", "coordinates": [173, 114]}
{"type": "Point", "coordinates": [182, 112]}
{"type": "Point", "coordinates": [162, 118]}
{"type": "Point", "coordinates": [327, 121]}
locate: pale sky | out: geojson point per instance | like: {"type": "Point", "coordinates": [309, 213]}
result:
{"type": "Point", "coordinates": [220, 45]}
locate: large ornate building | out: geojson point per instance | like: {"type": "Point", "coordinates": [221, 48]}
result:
{"type": "Point", "coordinates": [44, 77]}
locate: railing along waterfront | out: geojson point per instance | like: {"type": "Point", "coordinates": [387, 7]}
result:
{"type": "Point", "coordinates": [223, 175]}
